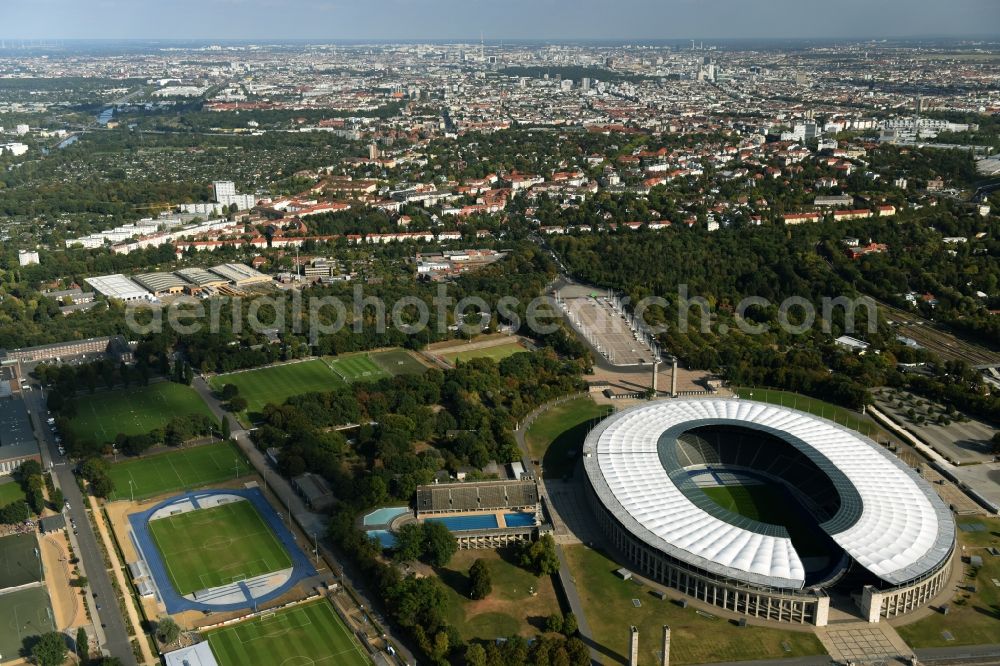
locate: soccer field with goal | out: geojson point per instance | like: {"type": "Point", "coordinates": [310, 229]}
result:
{"type": "Point", "coordinates": [101, 416]}
{"type": "Point", "coordinates": [184, 469]}
{"type": "Point", "coordinates": [217, 546]}
{"type": "Point", "coordinates": [308, 634]}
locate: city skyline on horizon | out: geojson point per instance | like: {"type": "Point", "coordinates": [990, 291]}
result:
{"type": "Point", "coordinates": [518, 20]}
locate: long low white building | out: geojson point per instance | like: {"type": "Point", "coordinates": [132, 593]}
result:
{"type": "Point", "coordinates": [118, 287]}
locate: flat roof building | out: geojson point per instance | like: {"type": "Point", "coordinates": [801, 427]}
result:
{"type": "Point", "coordinates": [201, 278]}
{"type": "Point", "coordinates": [161, 283]}
{"type": "Point", "coordinates": [118, 287]}
{"type": "Point", "coordinates": [17, 438]}
{"type": "Point", "coordinates": [240, 274]}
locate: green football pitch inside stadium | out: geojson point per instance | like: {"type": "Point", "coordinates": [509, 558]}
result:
{"type": "Point", "coordinates": [308, 634]}
{"type": "Point", "coordinates": [101, 416]}
{"type": "Point", "coordinates": [217, 546]}
{"type": "Point", "coordinates": [23, 615]}
{"type": "Point", "coordinates": [19, 563]}
{"type": "Point", "coordinates": [773, 505]}
{"type": "Point", "coordinates": [183, 469]}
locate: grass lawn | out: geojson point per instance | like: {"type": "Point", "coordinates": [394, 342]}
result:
{"type": "Point", "coordinates": [497, 353]}
{"type": "Point", "coordinates": [277, 383]}
{"type": "Point", "coordinates": [607, 601]}
{"type": "Point", "coordinates": [556, 437]}
{"type": "Point", "coordinates": [509, 609]}
{"type": "Point", "coordinates": [19, 565]}
{"type": "Point", "coordinates": [973, 617]}
{"type": "Point", "coordinates": [844, 417]}
{"type": "Point", "coordinates": [23, 614]}
{"type": "Point", "coordinates": [775, 506]}
{"type": "Point", "coordinates": [133, 411]}
{"type": "Point", "coordinates": [11, 492]}
{"type": "Point", "coordinates": [398, 362]}
{"type": "Point", "coordinates": [356, 367]}
{"type": "Point", "coordinates": [308, 634]}
{"type": "Point", "coordinates": [211, 547]}
{"type": "Point", "coordinates": [183, 469]}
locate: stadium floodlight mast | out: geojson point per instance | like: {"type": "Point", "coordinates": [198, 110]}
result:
{"type": "Point", "coordinates": [131, 489]}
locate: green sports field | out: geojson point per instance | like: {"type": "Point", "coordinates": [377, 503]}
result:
{"type": "Point", "coordinates": [184, 469]}
{"type": "Point", "coordinates": [308, 634]}
{"type": "Point", "coordinates": [356, 368]}
{"type": "Point", "coordinates": [134, 411]}
{"type": "Point", "coordinates": [398, 362]}
{"type": "Point", "coordinates": [23, 614]}
{"type": "Point", "coordinates": [277, 383]}
{"type": "Point", "coordinates": [19, 564]}
{"type": "Point", "coordinates": [497, 353]}
{"type": "Point", "coordinates": [211, 547]}
{"type": "Point", "coordinates": [772, 505]}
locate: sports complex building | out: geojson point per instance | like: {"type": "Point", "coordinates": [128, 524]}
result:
{"type": "Point", "coordinates": [767, 511]}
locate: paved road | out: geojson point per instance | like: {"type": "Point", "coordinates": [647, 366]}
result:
{"type": "Point", "coordinates": [565, 576]}
{"type": "Point", "coordinates": [110, 627]}
{"type": "Point", "coordinates": [309, 521]}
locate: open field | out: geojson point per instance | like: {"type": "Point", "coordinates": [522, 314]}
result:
{"type": "Point", "coordinates": [509, 609]}
{"type": "Point", "coordinates": [398, 362]}
{"type": "Point", "coordinates": [357, 367]}
{"type": "Point", "coordinates": [973, 617]}
{"type": "Point", "coordinates": [840, 415]}
{"type": "Point", "coordinates": [607, 601]}
{"type": "Point", "coordinates": [133, 411]}
{"type": "Point", "coordinates": [277, 383]}
{"type": "Point", "coordinates": [308, 634]}
{"type": "Point", "coordinates": [556, 437]}
{"type": "Point", "coordinates": [183, 469]}
{"type": "Point", "coordinates": [11, 492]}
{"type": "Point", "coordinates": [23, 614]}
{"type": "Point", "coordinates": [217, 546]}
{"type": "Point", "coordinates": [19, 564]}
{"type": "Point", "coordinates": [495, 352]}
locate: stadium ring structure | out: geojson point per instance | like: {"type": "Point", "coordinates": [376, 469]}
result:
{"type": "Point", "coordinates": [879, 535]}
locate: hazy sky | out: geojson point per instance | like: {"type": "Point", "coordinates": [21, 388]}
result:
{"type": "Point", "coordinates": [496, 19]}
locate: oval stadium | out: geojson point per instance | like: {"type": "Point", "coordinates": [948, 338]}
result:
{"type": "Point", "coordinates": [767, 511]}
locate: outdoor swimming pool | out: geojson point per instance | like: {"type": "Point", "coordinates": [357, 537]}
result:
{"type": "Point", "coordinates": [519, 519]}
{"type": "Point", "coordinates": [385, 537]}
{"type": "Point", "coordinates": [384, 515]}
{"type": "Point", "coordinates": [463, 523]}
{"type": "Point", "coordinates": [484, 521]}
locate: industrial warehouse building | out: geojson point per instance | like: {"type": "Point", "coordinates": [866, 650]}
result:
{"type": "Point", "coordinates": [201, 278]}
{"type": "Point", "coordinates": [162, 284]}
{"type": "Point", "coordinates": [118, 287]}
{"type": "Point", "coordinates": [867, 525]}
{"type": "Point", "coordinates": [240, 274]}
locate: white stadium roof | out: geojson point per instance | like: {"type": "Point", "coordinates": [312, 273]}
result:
{"type": "Point", "coordinates": [901, 530]}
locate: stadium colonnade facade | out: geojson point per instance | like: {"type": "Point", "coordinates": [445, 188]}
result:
{"type": "Point", "coordinates": [888, 539]}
